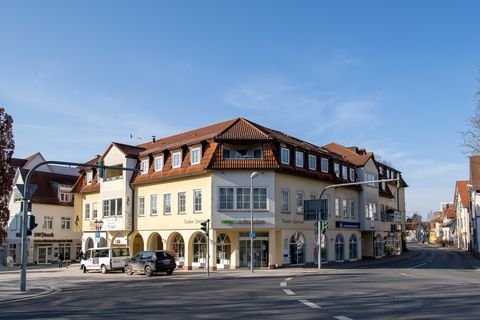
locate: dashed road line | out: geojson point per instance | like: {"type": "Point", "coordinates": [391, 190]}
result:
{"type": "Point", "coordinates": [289, 292]}
{"type": "Point", "coordinates": [418, 265]}
{"type": "Point", "coordinates": [310, 304]}
{"type": "Point", "coordinates": [283, 284]}
{"type": "Point", "coordinates": [342, 318]}
{"type": "Point", "coordinates": [288, 279]}
{"type": "Point", "coordinates": [409, 275]}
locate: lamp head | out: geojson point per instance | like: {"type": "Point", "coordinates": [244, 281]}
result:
{"type": "Point", "coordinates": [254, 175]}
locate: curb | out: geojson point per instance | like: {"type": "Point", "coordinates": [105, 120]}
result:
{"type": "Point", "coordinates": [13, 294]}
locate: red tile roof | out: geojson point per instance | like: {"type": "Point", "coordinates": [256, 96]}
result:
{"type": "Point", "coordinates": [349, 155]}
{"type": "Point", "coordinates": [475, 172]}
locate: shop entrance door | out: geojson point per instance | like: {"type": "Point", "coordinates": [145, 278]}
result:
{"type": "Point", "coordinates": [44, 255]}
{"type": "Point", "coordinates": [260, 252]}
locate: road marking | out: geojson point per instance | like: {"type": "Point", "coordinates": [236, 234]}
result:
{"type": "Point", "coordinates": [288, 279]}
{"type": "Point", "coordinates": [342, 318]}
{"type": "Point", "coordinates": [283, 284]}
{"type": "Point", "coordinates": [310, 304]}
{"type": "Point", "coordinates": [409, 275]}
{"type": "Point", "coordinates": [289, 292]}
{"type": "Point", "coordinates": [418, 265]}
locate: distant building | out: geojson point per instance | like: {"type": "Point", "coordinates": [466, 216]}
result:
{"type": "Point", "coordinates": [461, 207]}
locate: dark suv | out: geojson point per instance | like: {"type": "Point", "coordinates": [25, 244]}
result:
{"type": "Point", "coordinates": [150, 262]}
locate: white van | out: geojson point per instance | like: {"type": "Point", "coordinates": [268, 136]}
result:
{"type": "Point", "coordinates": [105, 259]}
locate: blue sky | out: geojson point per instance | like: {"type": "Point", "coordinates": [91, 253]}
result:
{"type": "Point", "coordinates": [395, 77]}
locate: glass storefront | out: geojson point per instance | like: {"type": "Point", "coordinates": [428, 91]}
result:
{"type": "Point", "coordinates": [260, 250]}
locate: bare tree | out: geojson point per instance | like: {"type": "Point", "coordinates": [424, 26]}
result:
{"type": "Point", "coordinates": [471, 136]}
{"type": "Point", "coordinates": [7, 145]}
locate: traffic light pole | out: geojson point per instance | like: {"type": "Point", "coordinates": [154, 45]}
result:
{"type": "Point", "coordinates": [26, 198]}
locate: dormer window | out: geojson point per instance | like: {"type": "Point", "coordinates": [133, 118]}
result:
{"type": "Point", "coordinates": [144, 166]}
{"type": "Point", "coordinates": [285, 156]}
{"type": "Point", "coordinates": [241, 152]}
{"type": "Point", "coordinates": [177, 159]}
{"type": "Point", "coordinates": [336, 169]}
{"type": "Point", "coordinates": [299, 159]}
{"type": "Point", "coordinates": [89, 177]}
{"type": "Point", "coordinates": [325, 165]}
{"type": "Point", "coordinates": [312, 162]}
{"type": "Point", "coordinates": [344, 172]}
{"type": "Point", "coordinates": [352, 174]}
{"type": "Point", "coordinates": [158, 163]}
{"type": "Point", "coordinates": [195, 155]}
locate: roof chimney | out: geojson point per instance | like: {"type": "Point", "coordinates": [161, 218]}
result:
{"type": "Point", "coordinates": [153, 138]}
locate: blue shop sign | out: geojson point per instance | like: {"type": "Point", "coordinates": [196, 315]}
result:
{"type": "Point", "coordinates": [347, 224]}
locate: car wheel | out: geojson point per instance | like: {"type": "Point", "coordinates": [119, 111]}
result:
{"type": "Point", "coordinates": [169, 272]}
{"type": "Point", "coordinates": [104, 269]}
{"type": "Point", "coordinates": [148, 271]}
{"type": "Point", "coordinates": [128, 270]}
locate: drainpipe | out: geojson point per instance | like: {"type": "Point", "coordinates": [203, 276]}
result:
{"type": "Point", "coordinates": [133, 213]}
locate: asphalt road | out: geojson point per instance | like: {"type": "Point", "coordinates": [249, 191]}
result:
{"type": "Point", "coordinates": [435, 284]}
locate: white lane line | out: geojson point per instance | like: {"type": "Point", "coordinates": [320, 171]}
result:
{"type": "Point", "coordinates": [283, 284]}
{"type": "Point", "coordinates": [342, 318]}
{"type": "Point", "coordinates": [310, 304]}
{"type": "Point", "coordinates": [289, 292]}
{"type": "Point", "coordinates": [418, 265]}
{"type": "Point", "coordinates": [409, 275]}
{"type": "Point", "coordinates": [288, 279]}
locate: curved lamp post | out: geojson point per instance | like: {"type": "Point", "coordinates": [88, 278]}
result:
{"type": "Point", "coordinates": [252, 176]}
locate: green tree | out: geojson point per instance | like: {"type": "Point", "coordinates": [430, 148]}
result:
{"type": "Point", "coordinates": [7, 145]}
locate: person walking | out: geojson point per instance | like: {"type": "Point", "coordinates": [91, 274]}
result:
{"type": "Point", "coordinates": [60, 260]}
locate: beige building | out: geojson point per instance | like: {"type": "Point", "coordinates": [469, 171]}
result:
{"type": "Point", "coordinates": [210, 174]}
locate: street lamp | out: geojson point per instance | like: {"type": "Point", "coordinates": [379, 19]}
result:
{"type": "Point", "coordinates": [252, 176]}
{"type": "Point", "coordinates": [98, 227]}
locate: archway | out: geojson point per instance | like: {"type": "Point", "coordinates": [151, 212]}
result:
{"type": "Point", "coordinates": [89, 244]}
{"type": "Point", "coordinates": [353, 247]}
{"type": "Point", "coordinates": [339, 248]}
{"type": "Point", "coordinates": [297, 248]}
{"type": "Point", "coordinates": [137, 244]}
{"type": "Point", "coordinates": [155, 242]}
{"type": "Point", "coordinates": [102, 242]}
{"type": "Point", "coordinates": [378, 246]}
{"type": "Point", "coordinates": [224, 249]}
{"type": "Point", "coordinates": [199, 248]}
{"type": "Point", "coordinates": [177, 246]}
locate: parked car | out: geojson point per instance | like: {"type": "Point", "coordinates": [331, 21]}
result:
{"type": "Point", "coordinates": [150, 262]}
{"type": "Point", "coordinates": [105, 259]}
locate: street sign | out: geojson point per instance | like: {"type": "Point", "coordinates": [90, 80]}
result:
{"type": "Point", "coordinates": [313, 208]}
{"type": "Point", "coordinates": [97, 235]}
{"type": "Point", "coordinates": [30, 189]}
{"type": "Point", "coordinates": [251, 234]}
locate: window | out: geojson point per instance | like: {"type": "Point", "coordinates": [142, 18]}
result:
{"type": "Point", "coordinates": [87, 211]}
{"type": "Point", "coordinates": [94, 210]}
{"type": "Point", "coordinates": [177, 159]}
{"type": "Point", "coordinates": [337, 207]}
{"type": "Point", "coordinates": [48, 223]}
{"type": "Point", "coordinates": [312, 162]}
{"type": "Point", "coordinates": [144, 166]}
{"type": "Point", "coordinates": [243, 198]}
{"type": "Point", "coordinates": [182, 202]}
{"type": "Point", "coordinates": [257, 153]}
{"type": "Point", "coordinates": [352, 174]}
{"type": "Point", "coordinates": [159, 163]}
{"type": "Point", "coordinates": [89, 177]}
{"type": "Point", "coordinates": [197, 200]}
{"type": "Point", "coordinates": [339, 248]}
{"type": "Point", "coordinates": [336, 169]}
{"type": "Point", "coordinates": [353, 247]}
{"type": "Point", "coordinates": [285, 201]}
{"type": "Point", "coordinates": [153, 205]}
{"type": "Point", "coordinates": [239, 152]}
{"type": "Point", "coordinates": [65, 196]}
{"type": "Point", "coordinates": [299, 202]}
{"type": "Point", "coordinates": [299, 159]}
{"type": "Point", "coordinates": [324, 165]}
{"type": "Point", "coordinates": [371, 177]}
{"type": "Point", "coordinates": [371, 210]}
{"type": "Point", "coordinates": [344, 208]}
{"type": "Point", "coordinates": [65, 223]}
{"type": "Point", "coordinates": [112, 207]}
{"type": "Point", "coordinates": [344, 172]}
{"type": "Point", "coordinates": [226, 154]}
{"type": "Point", "coordinates": [260, 198]}
{"type": "Point", "coordinates": [388, 173]}
{"type": "Point", "coordinates": [226, 198]}
{"type": "Point", "coordinates": [167, 203]}
{"type": "Point", "coordinates": [352, 209]}
{"type": "Point", "coordinates": [141, 206]}
{"type": "Point", "coordinates": [285, 156]}
{"type": "Point", "coordinates": [195, 155]}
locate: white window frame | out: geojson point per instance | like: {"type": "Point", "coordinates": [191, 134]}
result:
{"type": "Point", "coordinates": [141, 206]}
{"type": "Point", "coordinates": [352, 209]}
{"type": "Point", "coordinates": [167, 203]}
{"type": "Point", "coordinates": [324, 165]}
{"type": "Point", "coordinates": [107, 207]}
{"type": "Point", "coordinates": [285, 155]}
{"type": "Point", "coordinates": [195, 155]}
{"type": "Point", "coordinates": [176, 159]}
{"type": "Point", "coordinates": [285, 201]}
{"type": "Point", "coordinates": [47, 223]}
{"type": "Point", "coordinates": [299, 198]}
{"type": "Point", "coordinates": [94, 210]}
{"type": "Point", "coordinates": [223, 200]}
{"type": "Point", "coordinates": [336, 168]}
{"type": "Point", "coordinates": [66, 223]}
{"type": "Point", "coordinates": [87, 211]}
{"type": "Point", "coordinates": [344, 172]}
{"type": "Point", "coordinates": [345, 208]}
{"type": "Point", "coordinates": [158, 161]}
{"type": "Point", "coordinates": [197, 205]}
{"type": "Point", "coordinates": [89, 177]}
{"type": "Point", "coordinates": [182, 203]}
{"type": "Point", "coordinates": [352, 174]}
{"type": "Point", "coordinates": [154, 204]}
{"type": "Point", "coordinates": [299, 158]}
{"type": "Point", "coordinates": [337, 207]}
{"type": "Point", "coordinates": [312, 162]}
{"type": "Point", "coordinates": [371, 177]}
{"type": "Point", "coordinates": [144, 166]}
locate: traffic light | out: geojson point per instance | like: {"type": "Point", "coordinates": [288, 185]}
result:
{"type": "Point", "coordinates": [324, 226]}
{"type": "Point", "coordinates": [205, 225]}
{"type": "Point", "coordinates": [31, 224]}
{"type": "Point", "coordinates": [101, 169]}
